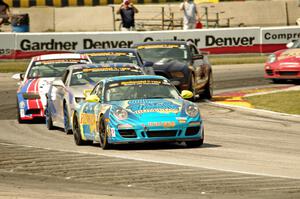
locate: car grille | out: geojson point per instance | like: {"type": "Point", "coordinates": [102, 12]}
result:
{"type": "Point", "coordinates": [269, 72]}
{"type": "Point", "coordinates": [167, 133]}
{"type": "Point", "coordinates": [192, 130]}
{"type": "Point", "coordinates": [33, 111]}
{"type": "Point", "coordinates": [127, 133]}
{"type": "Point", "coordinates": [288, 73]}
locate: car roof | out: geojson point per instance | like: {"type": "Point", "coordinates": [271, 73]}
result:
{"type": "Point", "coordinates": [113, 65]}
{"type": "Point", "coordinates": [134, 77]}
{"type": "Point", "coordinates": [107, 50]}
{"type": "Point", "coordinates": [160, 42]}
{"type": "Point", "coordinates": [59, 56]}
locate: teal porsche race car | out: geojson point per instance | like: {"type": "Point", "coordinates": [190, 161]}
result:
{"type": "Point", "coordinates": [137, 109]}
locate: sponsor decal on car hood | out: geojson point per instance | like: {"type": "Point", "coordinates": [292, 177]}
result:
{"type": "Point", "coordinates": [290, 53]}
{"type": "Point", "coordinates": [154, 108]}
{"type": "Point", "coordinates": [77, 91]}
{"type": "Point", "coordinates": [38, 86]}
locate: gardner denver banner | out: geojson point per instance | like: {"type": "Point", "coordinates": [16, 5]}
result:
{"type": "Point", "coordinates": [215, 41]}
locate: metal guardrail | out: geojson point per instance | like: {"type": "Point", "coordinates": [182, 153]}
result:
{"type": "Point", "coordinates": [167, 21]}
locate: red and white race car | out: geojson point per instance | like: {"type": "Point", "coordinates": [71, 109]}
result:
{"type": "Point", "coordinates": [33, 86]}
{"type": "Point", "coordinates": [284, 64]}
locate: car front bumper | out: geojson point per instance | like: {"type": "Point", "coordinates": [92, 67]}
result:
{"type": "Point", "coordinates": [140, 134]}
{"type": "Point", "coordinates": [287, 72]}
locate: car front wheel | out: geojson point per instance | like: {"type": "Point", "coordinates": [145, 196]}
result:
{"type": "Point", "coordinates": [49, 122]}
{"type": "Point", "coordinates": [77, 134]}
{"type": "Point", "coordinates": [20, 121]}
{"type": "Point", "coordinates": [192, 88]}
{"type": "Point", "coordinates": [195, 143]}
{"type": "Point", "coordinates": [103, 135]}
{"type": "Point", "coordinates": [66, 120]}
{"type": "Point", "coordinates": [208, 90]}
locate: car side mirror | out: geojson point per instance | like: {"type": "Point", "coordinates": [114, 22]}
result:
{"type": "Point", "coordinates": [195, 57]}
{"type": "Point", "coordinates": [148, 63]}
{"type": "Point", "coordinates": [87, 92]}
{"type": "Point", "coordinates": [92, 98]}
{"type": "Point", "coordinates": [18, 76]}
{"type": "Point", "coordinates": [290, 44]}
{"type": "Point", "coordinates": [185, 94]}
{"type": "Point", "coordinates": [58, 82]}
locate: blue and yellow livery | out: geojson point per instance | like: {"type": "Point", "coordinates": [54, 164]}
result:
{"type": "Point", "coordinates": [132, 109]}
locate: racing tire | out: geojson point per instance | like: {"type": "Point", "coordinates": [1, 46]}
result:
{"type": "Point", "coordinates": [195, 143]}
{"type": "Point", "coordinates": [49, 122]}
{"type": "Point", "coordinates": [192, 88]}
{"type": "Point", "coordinates": [208, 89]}
{"type": "Point", "coordinates": [20, 121]}
{"type": "Point", "coordinates": [77, 134]}
{"type": "Point", "coordinates": [67, 130]}
{"type": "Point", "coordinates": [103, 135]}
{"type": "Point", "coordinates": [279, 81]}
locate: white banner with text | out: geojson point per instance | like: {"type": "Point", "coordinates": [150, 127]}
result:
{"type": "Point", "coordinates": [215, 41]}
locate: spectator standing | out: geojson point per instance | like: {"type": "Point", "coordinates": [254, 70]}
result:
{"type": "Point", "coordinates": [4, 12]}
{"type": "Point", "coordinates": [127, 11]}
{"type": "Point", "coordinates": [190, 14]}
{"type": "Point", "coordinates": [298, 21]}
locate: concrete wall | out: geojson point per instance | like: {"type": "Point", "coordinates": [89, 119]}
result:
{"type": "Point", "coordinates": [100, 18]}
{"type": "Point", "coordinates": [84, 19]}
{"type": "Point", "coordinates": [251, 13]}
{"type": "Point", "coordinates": [41, 18]}
{"type": "Point", "coordinates": [293, 11]}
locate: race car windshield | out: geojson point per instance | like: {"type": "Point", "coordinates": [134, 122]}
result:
{"type": "Point", "coordinates": [99, 59]}
{"type": "Point", "coordinates": [92, 77]}
{"type": "Point", "coordinates": [132, 92]}
{"type": "Point", "coordinates": [50, 68]}
{"type": "Point", "coordinates": [156, 54]}
{"type": "Point", "coordinates": [296, 44]}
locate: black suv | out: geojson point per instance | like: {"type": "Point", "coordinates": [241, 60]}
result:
{"type": "Point", "coordinates": [182, 63]}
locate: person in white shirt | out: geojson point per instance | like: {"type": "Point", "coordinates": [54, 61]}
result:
{"type": "Point", "coordinates": [190, 14]}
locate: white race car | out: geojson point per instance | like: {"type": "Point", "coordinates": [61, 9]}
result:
{"type": "Point", "coordinates": [66, 93]}
{"type": "Point", "coordinates": [34, 84]}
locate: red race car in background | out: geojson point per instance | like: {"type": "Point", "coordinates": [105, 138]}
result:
{"type": "Point", "coordinates": [284, 64]}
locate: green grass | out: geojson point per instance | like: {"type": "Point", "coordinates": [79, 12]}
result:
{"type": "Point", "coordinates": [284, 102]}
{"type": "Point", "coordinates": [13, 66]}
{"type": "Point", "coordinates": [7, 66]}
{"type": "Point", "coordinates": [237, 59]}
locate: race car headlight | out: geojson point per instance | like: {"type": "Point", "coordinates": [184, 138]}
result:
{"type": "Point", "coordinates": [79, 99]}
{"type": "Point", "coordinates": [121, 114]}
{"type": "Point", "coordinates": [177, 74]}
{"type": "Point", "coordinates": [31, 95]}
{"type": "Point", "coordinates": [272, 58]}
{"type": "Point", "coordinates": [192, 110]}
{"type": "Point", "coordinates": [22, 104]}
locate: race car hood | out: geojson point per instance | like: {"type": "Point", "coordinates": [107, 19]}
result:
{"type": "Point", "coordinates": [169, 65]}
{"type": "Point", "coordinates": [36, 85]}
{"type": "Point", "coordinates": [290, 55]}
{"type": "Point", "coordinates": [154, 109]}
{"type": "Point", "coordinates": [77, 91]}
